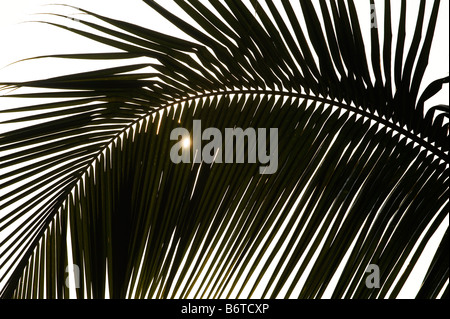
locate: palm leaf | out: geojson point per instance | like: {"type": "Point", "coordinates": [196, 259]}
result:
{"type": "Point", "coordinates": [362, 173]}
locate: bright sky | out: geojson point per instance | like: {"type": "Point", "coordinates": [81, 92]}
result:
{"type": "Point", "coordinates": [21, 40]}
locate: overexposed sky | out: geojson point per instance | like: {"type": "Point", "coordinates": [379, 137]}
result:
{"type": "Point", "coordinates": [20, 40]}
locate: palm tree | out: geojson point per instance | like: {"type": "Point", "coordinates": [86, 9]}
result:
{"type": "Point", "coordinates": [363, 165]}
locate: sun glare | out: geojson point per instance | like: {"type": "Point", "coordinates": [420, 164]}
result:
{"type": "Point", "coordinates": [186, 142]}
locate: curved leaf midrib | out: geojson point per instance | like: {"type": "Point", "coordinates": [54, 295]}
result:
{"type": "Point", "coordinates": [434, 150]}
{"type": "Point", "coordinates": [431, 148]}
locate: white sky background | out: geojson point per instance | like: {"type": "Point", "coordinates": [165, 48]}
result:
{"type": "Point", "coordinates": [19, 40]}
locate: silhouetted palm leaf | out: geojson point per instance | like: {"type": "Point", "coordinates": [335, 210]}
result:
{"type": "Point", "coordinates": [362, 173]}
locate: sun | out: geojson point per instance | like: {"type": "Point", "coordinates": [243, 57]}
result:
{"type": "Point", "coordinates": [186, 142]}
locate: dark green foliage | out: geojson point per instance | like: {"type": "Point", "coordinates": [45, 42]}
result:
{"type": "Point", "coordinates": [369, 166]}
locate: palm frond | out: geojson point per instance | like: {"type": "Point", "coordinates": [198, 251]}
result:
{"type": "Point", "coordinates": [362, 176]}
